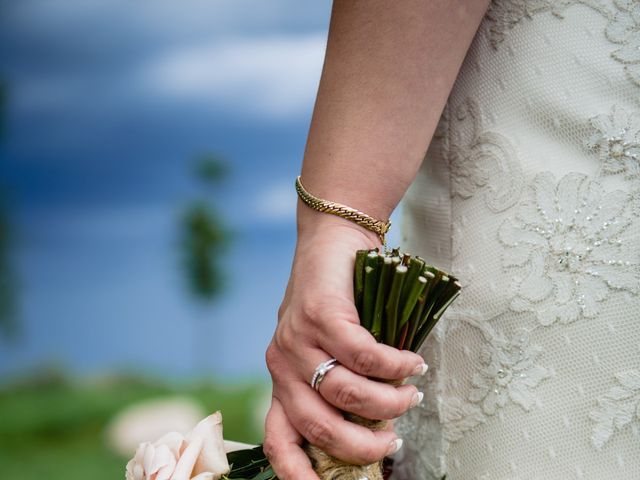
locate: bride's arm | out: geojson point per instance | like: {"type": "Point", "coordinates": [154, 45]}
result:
{"type": "Point", "coordinates": [388, 70]}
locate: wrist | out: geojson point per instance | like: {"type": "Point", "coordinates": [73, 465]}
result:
{"type": "Point", "coordinates": [336, 214]}
{"type": "Point", "coordinates": [312, 223]}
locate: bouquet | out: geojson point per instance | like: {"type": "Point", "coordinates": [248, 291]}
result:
{"type": "Point", "coordinates": [399, 299]}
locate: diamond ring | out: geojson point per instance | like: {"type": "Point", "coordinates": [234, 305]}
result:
{"type": "Point", "coordinates": [321, 371]}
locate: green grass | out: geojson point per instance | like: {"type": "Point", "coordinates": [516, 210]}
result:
{"type": "Point", "coordinates": [55, 430]}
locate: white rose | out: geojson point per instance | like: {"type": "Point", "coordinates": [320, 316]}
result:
{"type": "Point", "coordinates": [198, 456]}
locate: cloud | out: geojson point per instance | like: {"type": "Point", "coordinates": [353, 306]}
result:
{"type": "Point", "coordinates": [274, 76]}
{"type": "Point", "coordinates": [137, 55]}
{"type": "Point", "coordinates": [153, 23]}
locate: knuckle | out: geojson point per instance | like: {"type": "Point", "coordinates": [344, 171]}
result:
{"type": "Point", "coordinates": [286, 472]}
{"type": "Point", "coordinates": [289, 333]}
{"type": "Point", "coordinates": [271, 355]}
{"type": "Point", "coordinates": [318, 432]}
{"type": "Point", "coordinates": [273, 359]}
{"type": "Point", "coordinates": [285, 337]}
{"type": "Point", "coordinates": [370, 454]}
{"type": "Point", "coordinates": [322, 311]}
{"type": "Point", "coordinates": [349, 397]}
{"type": "Point", "coordinates": [400, 406]}
{"type": "Point", "coordinates": [392, 406]}
{"type": "Point", "coordinates": [365, 362]}
{"type": "Point", "coordinates": [397, 370]}
{"type": "Point", "coordinates": [310, 308]}
{"type": "Point", "coordinates": [271, 448]}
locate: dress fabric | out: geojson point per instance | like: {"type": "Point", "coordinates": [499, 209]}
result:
{"type": "Point", "coordinates": [530, 195]}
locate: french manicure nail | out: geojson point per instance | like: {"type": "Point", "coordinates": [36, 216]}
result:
{"type": "Point", "coordinates": [421, 369]}
{"type": "Point", "coordinates": [417, 399]}
{"type": "Point", "coordinates": [394, 446]}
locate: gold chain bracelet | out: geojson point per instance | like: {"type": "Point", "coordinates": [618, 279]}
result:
{"type": "Point", "coordinates": [378, 226]}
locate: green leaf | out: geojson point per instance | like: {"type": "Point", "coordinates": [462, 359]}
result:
{"type": "Point", "coordinates": [249, 464]}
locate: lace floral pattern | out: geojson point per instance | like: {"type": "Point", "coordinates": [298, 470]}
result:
{"type": "Point", "coordinates": [624, 29]}
{"type": "Point", "coordinates": [617, 141]}
{"type": "Point", "coordinates": [503, 15]}
{"type": "Point", "coordinates": [569, 240]}
{"type": "Point", "coordinates": [508, 372]}
{"type": "Point", "coordinates": [617, 408]}
{"type": "Point", "coordinates": [460, 417]}
{"type": "Point", "coordinates": [476, 155]}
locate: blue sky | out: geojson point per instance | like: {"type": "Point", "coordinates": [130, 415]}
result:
{"type": "Point", "coordinates": [109, 101]}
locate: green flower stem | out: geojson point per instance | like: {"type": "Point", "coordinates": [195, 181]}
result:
{"type": "Point", "coordinates": [393, 302]}
{"type": "Point", "coordinates": [381, 297]}
{"type": "Point", "coordinates": [436, 287]}
{"type": "Point", "coordinates": [358, 279]}
{"type": "Point", "coordinates": [415, 290]}
{"type": "Point", "coordinates": [370, 287]}
{"type": "Point", "coordinates": [416, 265]}
{"type": "Point", "coordinates": [399, 297]}
{"type": "Point", "coordinates": [441, 310]}
{"type": "Point", "coordinates": [414, 323]}
{"type": "Point", "coordinates": [451, 291]}
{"type": "Point", "coordinates": [441, 294]}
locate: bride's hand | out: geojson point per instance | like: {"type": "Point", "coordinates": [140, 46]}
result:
{"type": "Point", "coordinates": [317, 321]}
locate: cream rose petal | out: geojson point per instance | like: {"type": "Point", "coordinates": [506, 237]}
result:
{"type": "Point", "coordinates": [134, 470]}
{"type": "Point", "coordinates": [213, 458]}
{"type": "Point", "coordinates": [187, 461]}
{"type": "Point", "coordinates": [204, 476]}
{"type": "Point", "coordinates": [160, 462]}
{"type": "Point", "coordinates": [174, 442]}
{"type": "Point", "coordinates": [164, 463]}
{"type": "Point", "coordinates": [148, 460]}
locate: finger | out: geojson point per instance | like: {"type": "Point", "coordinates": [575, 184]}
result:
{"type": "Point", "coordinates": [356, 349]}
{"type": "Point", "coordinates": [282, 446]}
{"type": "Point", "coordinates": [368, 398]}
{"type": "Point", "coordinates": [324, 426]}
{"type": "Point", "coordinates": [390, 426]}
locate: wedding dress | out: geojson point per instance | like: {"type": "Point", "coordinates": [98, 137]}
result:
{"type": "Point", "coordinates": [530, 194]}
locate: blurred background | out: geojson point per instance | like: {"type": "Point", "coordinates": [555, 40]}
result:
{"type": "Point", "coordinates": [148, 151]}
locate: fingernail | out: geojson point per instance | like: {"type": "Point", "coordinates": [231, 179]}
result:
{"type": "Point", "coordinates": [417, 399]}
{"type": "Point", "coordinates": [421, 369]}
{"type": "Point", "coordinates": [394, 446]}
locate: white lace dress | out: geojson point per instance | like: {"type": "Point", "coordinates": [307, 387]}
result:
{"type": "Point", "coordinates": [530, 194]}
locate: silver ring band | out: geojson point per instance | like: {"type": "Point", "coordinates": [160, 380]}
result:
{"type": "Point", "coordinates": [321, 371]}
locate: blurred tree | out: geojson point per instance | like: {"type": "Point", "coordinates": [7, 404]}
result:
{"type": "Point", "coordinates": [8, 322]}
{"type": "Point", "coordinates": [205, 237]}
{"type": "Point", "coordinates": [205, 240]}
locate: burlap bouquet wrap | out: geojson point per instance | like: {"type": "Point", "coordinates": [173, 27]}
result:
{"type": "Point", "coordinates": [328, 467]}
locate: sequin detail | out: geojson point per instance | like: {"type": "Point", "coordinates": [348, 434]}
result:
{"type": "Point", "coordinates": [568, 242]}
{"type": "Point", "coordinates": [617, 141]}
{"type": "Point", "coordinates": [508, 372]}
